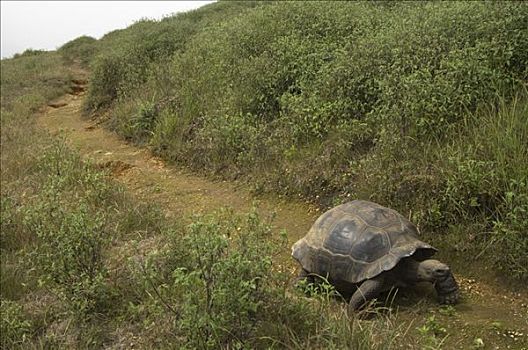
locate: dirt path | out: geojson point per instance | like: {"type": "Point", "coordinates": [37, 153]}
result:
{"type": "Point", "coordinates": [488, 317]}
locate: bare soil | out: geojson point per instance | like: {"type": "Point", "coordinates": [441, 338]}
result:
{"type": "Point", "coordinates": [489, 316]}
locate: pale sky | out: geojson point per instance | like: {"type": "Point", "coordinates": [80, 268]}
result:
{"type": "Point", "coordinates": [47, 25]}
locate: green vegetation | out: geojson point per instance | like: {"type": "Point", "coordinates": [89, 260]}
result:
{"type": "Point", "coordinates": [434, 334]}
{"type": "Point", "coordinates": [84, 265]}
{"type": "Point", "coordinates": [129, 57]}
{"type": "Point", "coordinates": [58, 214]}
{"type": "Point", "coordinates": [418, 106]}
{"type": "Point", "coordinates": [81, 50]}
{"type": "Point", "coordinates": [29, 52]}
{"type": "Point", "coordinates": [215, 287]}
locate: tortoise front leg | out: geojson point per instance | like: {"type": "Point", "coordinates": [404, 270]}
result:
{"type": "Point", "coordinates": [367, 291]}
{"type": "Point", "coordinates": [447, 290]}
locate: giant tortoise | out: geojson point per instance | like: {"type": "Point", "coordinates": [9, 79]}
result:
{"type": "Point", "coordinates": [364, 249]}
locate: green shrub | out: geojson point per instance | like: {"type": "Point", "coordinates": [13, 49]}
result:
{"type": "Point", "coordinates": [140, 126]}
{"type": "Point", "coordinates": [70, 223]}
{"type": "Point", "coordinates": [80, 50]}
{"type": "Point", "coordinates": [58, 216]}
{"type": "Point", "coordinates": [509, 231]}
{"type": "Point", "coordinates": [69, 253]}
{"type": "Point", "coordinates": [15, 328]}
{"type": "Point", "coordinates": [128, 57]}
{"type": "Point", "coordinates": [216, 279]}
{"type": "Point", "coordinates": [216, 286]}
{"type": "Point", "coordinates": [29, 53]}
{"type": "Point", "coordinates": [355, 72]}
{"type": "Point", "coordinates": [106, 72]}
{"type": "Point", "coordinates": [28, 82]}
{"type": "Point", "coordinates": [332, 101]}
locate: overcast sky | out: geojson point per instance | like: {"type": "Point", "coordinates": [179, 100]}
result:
{"type": "Point", "coordinates": [49, 24]}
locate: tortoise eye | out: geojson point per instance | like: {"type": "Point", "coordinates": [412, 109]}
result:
{"type": "Point", "coordinates": [442, 270]}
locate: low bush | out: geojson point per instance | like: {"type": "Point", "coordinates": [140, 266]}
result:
{"type": "Point", "coordinates": [332, 101]}
{"type": "Point", "coordinates": [69, 254]}
{"type": "Point", "coordinates": [15, 327]}
{"type": "Point", "coordinates": [484, 181]}
{"type": "Point", "coordinates": [128, 57]}
{"type": "Point", "coordinates": [418, 106]}
{"type": "Point", "coordinates": [216, 286]}
{"type": "Point", "coordinates": [81, 50]}
{"type": "Point", "coordinates": [59, 216]}
{"type": "Point", "coordinates": [29, 53]}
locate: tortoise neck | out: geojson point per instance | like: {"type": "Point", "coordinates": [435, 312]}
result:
{"type": "Point", "coordinates": [413, 271]}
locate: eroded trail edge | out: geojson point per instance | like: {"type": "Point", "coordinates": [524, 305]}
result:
{"type": "Point", "coordinates": [488, 311]}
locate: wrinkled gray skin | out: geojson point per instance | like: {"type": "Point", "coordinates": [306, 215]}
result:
{"type": "Point", "coordinates": [407, 273]}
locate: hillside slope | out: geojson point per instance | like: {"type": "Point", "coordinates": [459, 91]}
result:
{"type": "Point", "coordinates": [418, 106]}
{"type": "Point", "coordinates": [488, 311]}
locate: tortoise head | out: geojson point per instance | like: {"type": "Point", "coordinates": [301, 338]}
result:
{"type": "Point", "coordinates": [432, 270]}
{"type": "Point", "coordinates": [440, 275]}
